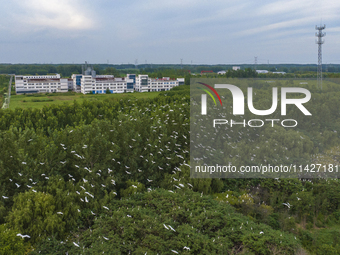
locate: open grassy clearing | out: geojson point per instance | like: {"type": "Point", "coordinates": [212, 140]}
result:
{"type": "Point", "coordinates": [41, 100]}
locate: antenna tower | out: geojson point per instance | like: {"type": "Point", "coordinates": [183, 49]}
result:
{"type": "Point", "coordinates": [319, 41]}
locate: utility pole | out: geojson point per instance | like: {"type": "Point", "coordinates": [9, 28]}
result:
{"type": "Point", "coordinates": [8, 96]}
{"type": "Point", "coordinates": [255, 62]}
{"type": "Point", "coordinates": [319, 41]}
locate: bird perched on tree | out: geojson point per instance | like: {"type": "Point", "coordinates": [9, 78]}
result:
{"type": "Point", "coordinates": [23, 236]}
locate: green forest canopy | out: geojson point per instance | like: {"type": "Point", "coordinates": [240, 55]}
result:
{"type": "Point", "coordinates": [107, 176]}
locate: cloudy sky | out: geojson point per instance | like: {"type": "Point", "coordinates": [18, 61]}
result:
{"type": "Point", "coordinates": [157, 31]}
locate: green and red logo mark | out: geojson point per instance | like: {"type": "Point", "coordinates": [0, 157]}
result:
{"type": "Point", "coordinates": [208, 92]}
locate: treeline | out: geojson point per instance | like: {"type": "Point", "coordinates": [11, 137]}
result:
{"type": "Point", "coordinates": [168, 70]}
{"type": "Point", "coordinates": [40, 69]}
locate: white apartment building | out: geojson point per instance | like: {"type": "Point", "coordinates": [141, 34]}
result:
{"type": "Point", "coordinates": [89, 82]}
{"type": "Point", "coordinates": [70, 84]}
{"type": "Point", "coordinates": [146, 84]}
{"type": "Point", "coordinates": [40, 83]}
{"type": "Point", "coordinates": [99, 84]}
{"type": "Point", "coordinates": [262, 71]}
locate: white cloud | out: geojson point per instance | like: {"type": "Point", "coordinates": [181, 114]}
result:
{"type": "Point", "coordinates": [281, 7]}
{"type": "Point", "coordinates": [53, 14]}
{"type": "Point", "coordinates": [294, 23]}
{"type": "Point", "coordinates": [291, 15]}
{"type": "Point", "coordinates": [334, 30]}
{"type": "Point", "coordinates": [210, 30]}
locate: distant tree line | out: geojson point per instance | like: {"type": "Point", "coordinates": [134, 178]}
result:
{"type": "Point", "coordinates": [158, 70]}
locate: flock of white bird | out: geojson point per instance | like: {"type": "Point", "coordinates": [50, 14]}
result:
{"type": "Point", "coordinates": [149, 150]}
{"type": "Point", "coordinates": [160, 120]}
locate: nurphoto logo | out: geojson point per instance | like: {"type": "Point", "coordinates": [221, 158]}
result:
{"type": "Point", "coordinates": [239, 102]}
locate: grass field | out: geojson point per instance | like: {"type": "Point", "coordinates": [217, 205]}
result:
{"type": "Point", "coordinates": [40, 100]}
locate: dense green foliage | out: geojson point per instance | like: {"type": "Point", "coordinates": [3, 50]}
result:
{"type": "Point", "coordinates": [10, 243]}
{"type": "Point", "coordinates": [161, 221]}
{"type": "Point", "coordinates": [113, 176]}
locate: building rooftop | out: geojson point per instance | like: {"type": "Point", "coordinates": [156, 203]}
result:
{"type": "Point", "coordinates": [43, 79]}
